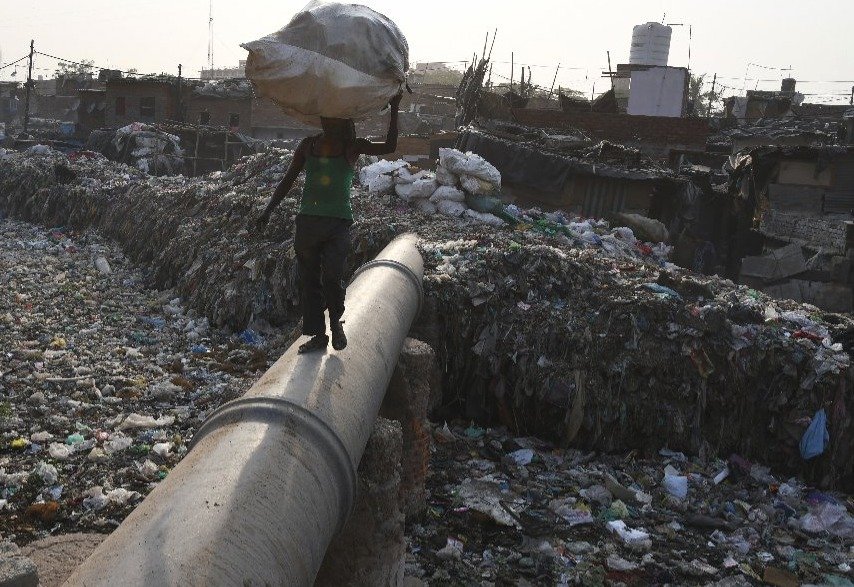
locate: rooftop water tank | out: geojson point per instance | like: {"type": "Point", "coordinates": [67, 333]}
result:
{"type": "Point", "coordinates": [650, 44]}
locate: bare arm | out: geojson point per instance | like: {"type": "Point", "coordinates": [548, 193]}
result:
{"type": "Point", "coordinates": [296, 166]}
{"type": "Point", "coordinates": [366, 147]}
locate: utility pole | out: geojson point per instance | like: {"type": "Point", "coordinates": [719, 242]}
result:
{"type": "Point", "coordinates": [180, 96]}
{"type": "Point", "coordinates": [512, 63]}
{"type": "Point", "coordinates": [29, 88]}
{"type": "Point", "coordinates": [712, 95]}
{"type": "Point", "coordinates": [610, 73]}
{"type": "Point", "coordinates": [554, 81]}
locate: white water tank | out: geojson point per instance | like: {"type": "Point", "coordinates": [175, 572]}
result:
{"type": "Point", "coordinates": [650, 44]}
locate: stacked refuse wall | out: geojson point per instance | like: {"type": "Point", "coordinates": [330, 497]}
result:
{"type": "Point", "coordinates": [585, 338]}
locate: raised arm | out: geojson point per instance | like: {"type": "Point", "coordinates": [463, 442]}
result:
{"type": "Point", "coordinates": [296, 166]}
{"type": "Point", "coordinates": [366, 147]}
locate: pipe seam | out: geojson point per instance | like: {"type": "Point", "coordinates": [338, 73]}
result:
{"type": "Point", "coordinates": [303, 423]}
{"type": "Point", "coordinates": [407, 271]}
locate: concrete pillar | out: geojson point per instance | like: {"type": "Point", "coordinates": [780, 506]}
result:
{"type": "Point", "coordinates": [407, 400]}
{"type": "Point", "coordinates": [370, 550]}
{"type": "Point", "coordinates": [392, 474]}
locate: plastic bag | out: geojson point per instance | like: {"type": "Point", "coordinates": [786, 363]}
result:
{"type": "Point", "coordinates": [423, 189]}
{"type": "Point", "coordinates": [451, 208]}
{"type": "Point", "coordinates": [425, 206]}
{"type": "Point", "coordinates": [445, 177]}
{"type": "Point", "coordinates": [477, 186]}
{"type": "Point", "coordinates": [444, 192]}
{"type": "Point", "coordinates": [403, 191]}
{"type": "Point", "coordinates": [461, 163]}
{"type": "Point", "coordinates": [332, 60]}
{"type": "Point", "coordinates": [816, 437]}
{"type": "Point", "coordinates": [370, 172]}
{"type": "Point", "coordinates": [381, 184]}
{"type": "Point", "coordinates": [486, 218]}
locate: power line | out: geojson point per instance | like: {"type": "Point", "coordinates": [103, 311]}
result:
{"type": "Point", "coordinates": [14, 62]}
{"type": "Point", "coordinates": [94, 66]}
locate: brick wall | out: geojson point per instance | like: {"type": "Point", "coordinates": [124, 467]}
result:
{"type": "Point", "coordinates": [654, 134]}
{"type": "Point", "coordinates": [221, 110]}
{"type": "Point", "coordinates": [165, 106]}
{"type": "Point", "coordinates": [815, 231]}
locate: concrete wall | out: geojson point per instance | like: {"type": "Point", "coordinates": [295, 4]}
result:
{"type": "Point", "coordinates": [828, 232]}
{"type": "Point", "coordinates": [658, 91]}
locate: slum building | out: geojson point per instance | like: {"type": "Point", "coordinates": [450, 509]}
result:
{"type": "Point", "coordinates": [802, 199]}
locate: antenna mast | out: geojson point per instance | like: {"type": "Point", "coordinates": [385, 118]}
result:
{"type": "Point", "coordinates": [210, 37]}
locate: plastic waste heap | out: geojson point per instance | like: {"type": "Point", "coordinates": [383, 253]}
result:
{"type": "Point", "coordinates": [272, 476]}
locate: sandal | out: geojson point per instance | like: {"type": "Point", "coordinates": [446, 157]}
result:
{"type": "Point", "coordinates": [317, 343]}
{"type": "Point", "coordinates": [339, 339]}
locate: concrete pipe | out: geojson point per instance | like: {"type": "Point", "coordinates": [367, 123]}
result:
{"type": "Point", "coordinates": [271, 477]}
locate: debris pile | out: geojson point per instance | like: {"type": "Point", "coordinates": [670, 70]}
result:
{"type": "Point", "coordinates": [464, 185]}
{"type": "Point", "coordinates": [149, 149]}
{"type": "Point", "coordinates": [577, 332]}
{"type": "Point", "coordinates": [511, 510]}
{"type": "Point", "coordinates": [102, 382]}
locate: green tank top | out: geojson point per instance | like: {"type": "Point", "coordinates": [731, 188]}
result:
{"type": "Point", "coordinates": [328, 181]}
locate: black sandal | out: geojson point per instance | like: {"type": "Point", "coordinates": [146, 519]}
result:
{"type": "Point", "coordinates": [317, 343]}
{"type": "Point", "coordinates": [339, 339]}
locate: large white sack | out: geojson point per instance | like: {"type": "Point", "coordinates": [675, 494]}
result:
{"type": "Point", "coordinates": [403, 191]}
{"type": "Point", "coordinates": [403, 175]}
{"type": "Point", "coordinates": [423, 189]}
{"type": "Point", "coordinates": [332, 60]}
{"type": "Point", "coordinates": [451, 208]}
{"type": "Point", "coordinates": [382, 167]}
{"type": "Point", "coordinates": [381, 184]}
{"type": "Point", "coordinates": [461, 163]}
{"type": "Point", "coordinates": [476, 186]}
{"type": "Point", "coordinates": [425, 206]}
{"type": "Point", "coordinates": [445, 177]}
{"type": "Point", "coordinates": [445, 192]}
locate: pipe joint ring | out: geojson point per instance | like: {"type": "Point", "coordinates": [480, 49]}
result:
{"type": "Point", "coordinates": [405, 269]}
{"type": "Point", "coordinates": [301, 422]}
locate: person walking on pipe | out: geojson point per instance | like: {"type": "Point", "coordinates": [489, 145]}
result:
{"type": "Point", "coordinates": [322, 240]}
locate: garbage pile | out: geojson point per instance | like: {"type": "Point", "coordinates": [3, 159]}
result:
{"type": "Point", "coordinates": [462, 186]}
{"type": "Point", "coordinates": [146, 147]}
{"type": "Point", "coordinates": [578, 331]}
{"type": "Point", "coordinates": [102, 381]}
{"type": "Point", "coordinates": [149, 149]}
{"type": "Point", "coordinates": [518, 510]}
{"type": "Point", "coordinates": [819, 132]}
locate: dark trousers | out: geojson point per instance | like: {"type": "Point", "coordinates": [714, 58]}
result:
{"type": "Point", "coordinates": [322, 245]}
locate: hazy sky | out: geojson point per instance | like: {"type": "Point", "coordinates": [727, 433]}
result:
{"type": "Point", "coordinates": [813, 38]}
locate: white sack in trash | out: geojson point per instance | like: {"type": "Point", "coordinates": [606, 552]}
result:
{"type": "Point", "coordinates": [381, 184]}
{"type": "Point", "coordinates": [476, 186]}
{"type": "Point", "coordinates": [403, 191]}
{"type": "Point", "coordinates": [485, 217]}
{"type": "Point", "coordinates": [451, 208]}
{"type": "Point", "coordinates": [425, 206]}
{"type": "Point", "coordinates": [423, 189]}
{"type": "Point", "coordinates": [382, 167]}
{"type": "Point", "coordinates": [445, 177]}
{"type": "Point", "coordinates": [447, 193]}
{"type": "Point", "coordinates": [332, 60]}
{"type": "Point", "coordinates": [460, 163]}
